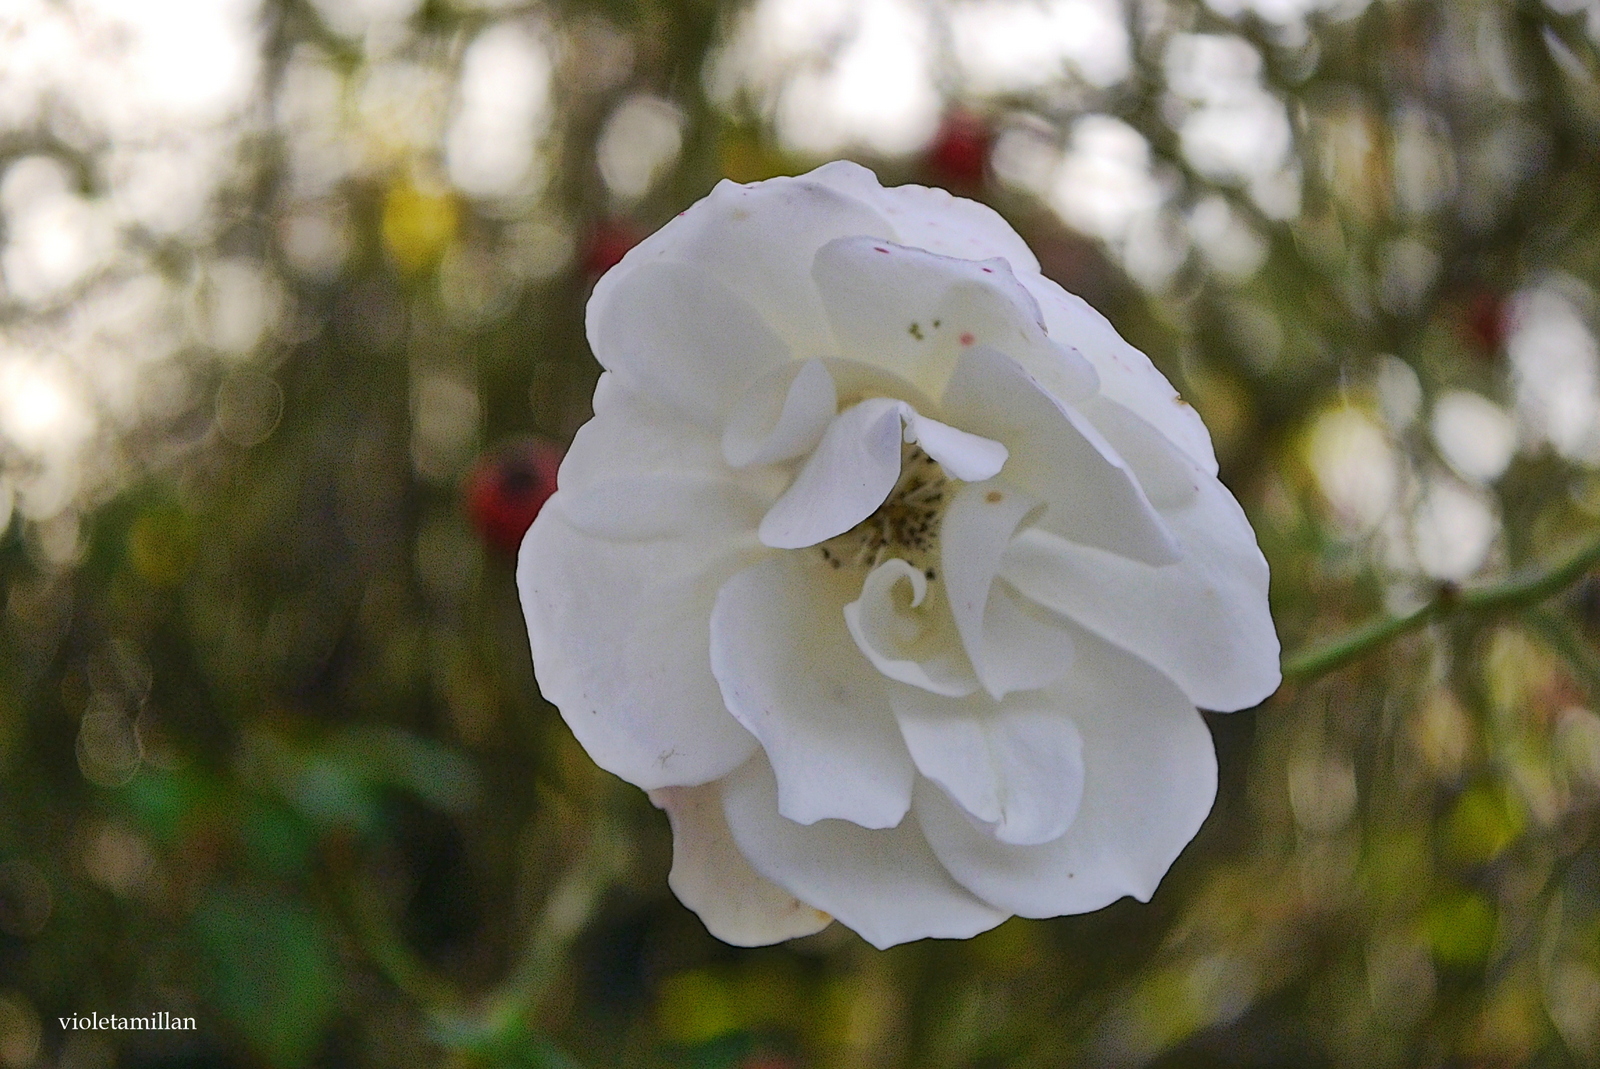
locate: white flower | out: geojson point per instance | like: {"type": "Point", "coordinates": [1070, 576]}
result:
{"type": "Point", "coordinates": [890, 570]}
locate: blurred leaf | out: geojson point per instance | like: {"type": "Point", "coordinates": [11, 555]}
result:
{"type": "Point", "coordinates": [165, 803]}
{"type": "Point", "coordinates": [391, 757]}
{"type": "Point", "coordinates": [272, 972]}
{"type": "Point", "coordinates": [1483, 823]}
{"type": "Point", "coordinates": [695, 1007]}
{"type": "Point", "coordinates": [1460, 928]}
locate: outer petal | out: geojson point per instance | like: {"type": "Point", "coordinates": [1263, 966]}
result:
{"type": "Point", "coordinates": [1203, 621]}
{"type": "Point", "coordinates": [711, 877]}
{"type": "Point", "coordinates": [638, 470]}
{"type": "Point", "coordinates": [1016, 766]}
{"type": "Point", "coordinates": [1126, 375]}
{"type": "Point", "coordinates": [1150, 776]}
{"type": "Point", "coordinates": [932, 219]}
{"type": "Point", "coordinates": [677, 334]}
{"type": "Point", "coordinates": [791, 675]}
{"type": "Point", "coordinates": [759, 240]}
{"type": "Point", "coordinates": [912, 312]}
{"type": "Point", "coordinates": [621, 646]}
{"type": "Point", "coordinates": [1056, 454]}
{"type": "Point", "coordinates": [886, 885]}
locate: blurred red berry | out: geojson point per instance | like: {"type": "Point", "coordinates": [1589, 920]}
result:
{"type": "Point", "coordinates": [607, 243]}
{"type": "Point", "coordinates": [508, 486]}
{"type": "Point", "coordinates": [959, 152]}
{"type": "Point", "coordinates": [1486, 321]}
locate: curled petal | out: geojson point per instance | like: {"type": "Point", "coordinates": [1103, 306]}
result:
{"type": "Point", "coordinates": [963, 456]}
{"type": "Point", "coordinates": [790, 674]}
{"type": "Point", "coordinates": [843, 481]}
{"type": "Point", "coordinates": [711, 877]}
{"type": "Point", "coordinates": [903, 643]}
{"type": "Point", "coordinates": [638, 471]}
{"type": "Point", "coordinates": [884, 884]}
{"type": "Point", "coordinates": [781, 416]}
{"type": "Point", "coordinates": [1057, 454]}
{"type": "Point", "coordinates": [1015, 766]}
{"type": "Point", "coordinates": [1010, 647]}
{"type": "Point", "coordinates": [1150, 776]}
{"type": "Point", "coordinates": [1024, 646]}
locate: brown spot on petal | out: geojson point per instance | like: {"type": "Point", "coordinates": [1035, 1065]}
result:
{"type": "Point", "coordinates": [994, 497]}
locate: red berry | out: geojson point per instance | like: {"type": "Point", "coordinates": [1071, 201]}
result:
{"type": "Point", "coordinates": [1486, 321]}
{"type": "Point", "coordinates": [607, 243]}
{"type": "Point", "coordinates": [960, 151]}
{"type": "Point", "coordinates": [507, 487]}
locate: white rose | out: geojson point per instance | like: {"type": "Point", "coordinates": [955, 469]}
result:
{"type": "Point", "coordinates": [890, 570]}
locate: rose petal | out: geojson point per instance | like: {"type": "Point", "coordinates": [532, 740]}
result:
{"type": "Point", "coordinates": [963, 456]}
{"type": "Point", "coordinates": [1126, 375]}
{"type": "Point", "coordinates": [1016, 766]}
{"type": "Point", "coordinates": [845, 479]}
{"type": "Point", "coordinates": [1023, 649]}
{"type": "Point", "coordinates": [886, 884]}
{"type": "Point", "coordinates": [1169, 477]}
{"type": "Point", "coordinates": [639, 470]}
{"type": "Point", "coordinates": [1056, 454]}
{"type": "Point", "coordinates": [781, 416]}
{"type": "Point", "coordinates": [630, 434]}
{"type": "Point", "coordinates": [932, 219]}
{"type": "Point", "coordinates": [1203, 621]}
{"type": "Point", "coordinates": [711, 877]}
{"type": "Point", "coordinates": [759, 240]}
{"type": "Point", "coordinates": [903, 643]}
{"type": "Point", "coordinates": [1150, 776]}
{"type": "Point", "coordinates": [676, 334]}
{"type": "Point", "coordinates": [913, 312]}
{"type": "Point", "coordinates": [790, 674]}
{"type": "Point", "coordinates": [616, 649]}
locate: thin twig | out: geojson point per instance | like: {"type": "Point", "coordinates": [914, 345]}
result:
{"type": "Point", "coordinates": [1522, 591]}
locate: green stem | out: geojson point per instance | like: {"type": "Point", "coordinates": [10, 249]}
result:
{"type": "Point", "coordinates": [1521, 591]}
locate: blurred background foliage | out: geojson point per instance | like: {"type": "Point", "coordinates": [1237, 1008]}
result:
{"type": "Point", "coordinates": [291, 326]}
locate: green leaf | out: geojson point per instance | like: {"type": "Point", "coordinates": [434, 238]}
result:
{"type": "Point", "coordinates": [272, 973]}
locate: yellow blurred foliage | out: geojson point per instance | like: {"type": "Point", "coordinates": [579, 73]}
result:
{"type": "Point", "coordinates": [418, 224]}
{"type": "Point", "coordinates": [695, 1007]}
{"type": "Point", "coordinates": [161, 546]}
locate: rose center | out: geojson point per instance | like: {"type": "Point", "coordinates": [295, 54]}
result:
{"type": "Point", "coordinates": [906, 525]}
